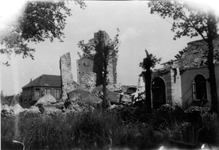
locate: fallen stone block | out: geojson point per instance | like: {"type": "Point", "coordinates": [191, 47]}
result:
{"type": "Point", "coordinates": [88, 81]}
{"type": "Point", "coordinates": [77, 95]}
{"type": "Point", "coordinates": [46, 100]}
{"type": "Point", "coordinates": [110, 95]}
{"type": "Point", "coordinates": [126, 98]}
{"type": "Point", "coordinates": [93, 101]}
{"type": "Point", "coordinates": [17, 109]}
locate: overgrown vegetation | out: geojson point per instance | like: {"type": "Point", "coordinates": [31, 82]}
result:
{"type": "Point", "coordinates": [133, 128]}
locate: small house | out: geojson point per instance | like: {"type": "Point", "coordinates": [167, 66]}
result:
{"type": "Point", "coordinates": [44, 84]}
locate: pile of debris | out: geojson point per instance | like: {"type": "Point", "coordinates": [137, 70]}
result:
{"type": "Point", "coordinates": [11, 108]}
{"type": "Point", "coordinates": [77, 98]}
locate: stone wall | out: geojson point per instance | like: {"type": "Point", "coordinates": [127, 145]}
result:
{"type": "Point", "coordinates": [88, 81]}
{"type": "Point", "coordinates": [66, 75]}
{"type": "Point", "coordinates": [187, 78]}
{"type": "Point", "coordinates": [86, 65]}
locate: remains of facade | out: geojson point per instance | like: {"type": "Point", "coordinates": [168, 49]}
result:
{"type": "Point", "coordinates": [68, 84]}
{"type": "Point", "coordinates": [184, 82]}
{"type": "Point", "coordinates": [51, 91]}
{"type": "Point", "coordinates": [86, 66]}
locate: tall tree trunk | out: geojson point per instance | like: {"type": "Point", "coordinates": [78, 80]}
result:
{"type": "Point", "coordinates": [105, 103]}
{"type": "Point", "coordinates": [148, 87]}
{"type": "Point", "coordinates": [212, 79]}
{"type": "Point", "coordinates": [212, 32]}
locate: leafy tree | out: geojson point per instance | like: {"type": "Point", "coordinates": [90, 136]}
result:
{"type": "Point", "coordinates": [148, 62]}
{"type": "Point", "coordinates": [39, 21]}
{"type": "Point", "coordinates": [103, 51]}
{"type": "Point", "coordinates": [191, 20]}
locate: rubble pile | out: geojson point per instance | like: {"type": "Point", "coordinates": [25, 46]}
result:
{"type": "Point", "coordinates": [13, 108]}
{"type": "Point", "coordinates": [88, 81]}
{"type": "Point", "coordinates": [77, 100]}
{"type": "Point", "coordinates": [46, 100]}
{"type": "Point", "coordinates": [34, 109]}
{"type": "Point", "coordinates": [76, 97]}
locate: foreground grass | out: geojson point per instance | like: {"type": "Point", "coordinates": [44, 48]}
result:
{"type": "Point", "coordinates": [105, 129]}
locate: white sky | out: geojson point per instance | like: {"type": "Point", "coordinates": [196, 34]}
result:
{"type": "Point", "coordinates": [139, 30]}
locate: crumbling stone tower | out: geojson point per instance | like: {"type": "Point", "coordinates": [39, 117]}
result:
{"type": "Point", "coordinates": [86, 65]}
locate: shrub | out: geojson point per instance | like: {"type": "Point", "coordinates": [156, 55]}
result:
{"type": "Point", "coordinates": [95, 129]}
{"type": "Point", "coordinates": [208, 131]}
{"type": "Point", "coordinates": [100, 129]}
{"type": "Point", "coordinates": [7, 127]}
{"type": "Point", "coordinates": [37, 131]}
{"type": "Point", "coordinates": [84, 130]}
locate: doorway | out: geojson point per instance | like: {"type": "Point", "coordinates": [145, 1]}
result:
{"type": "Point", "coordinates": [200, 87]}
{"type": "Point", "coordinates": [158, 92]}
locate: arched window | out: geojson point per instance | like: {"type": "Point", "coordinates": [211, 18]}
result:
{"type": "Point", "coordinates": [199, 87]}
{"type": "Point", "coordinates": [158, 92]}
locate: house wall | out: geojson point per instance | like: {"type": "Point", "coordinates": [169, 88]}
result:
{"type": "Point", "coordinates": [187, 78]}
{"type": "Point", "coordinates": [29, 95]}
{"type": "Point", "coordinates": [52, 90]}
{"type": "Point", "coordinates": [176, 92]}
{"type": "Point", "coordinates": [26, 95]}
{"type": "Point", "coordinates": [179, 85]}
{"type": "Point", "coordinates": [172, 79]}
{"type": "Point", "coordinates": [168, 81]}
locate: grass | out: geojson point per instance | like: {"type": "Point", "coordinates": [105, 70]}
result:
{"type": "Point", "coordinates": [104, 129]}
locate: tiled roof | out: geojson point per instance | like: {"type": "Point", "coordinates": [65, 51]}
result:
{"type": "Point", "coordinates": [194, 56]}
{"type": "Point", "coordinates": [45, 80]}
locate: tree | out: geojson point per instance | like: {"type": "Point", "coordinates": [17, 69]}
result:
{"type": "Point", "coordinates": [148, 62]}
{"type": "Point", "coordinates": [191, 20]}
{"type": "Point", "coordinates": [103, 51]}
{"type": "Point", "coordinates": [39, 21]}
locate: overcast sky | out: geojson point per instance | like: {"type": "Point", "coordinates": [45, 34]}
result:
{"type": "Point", "coordinates": [139, 30]}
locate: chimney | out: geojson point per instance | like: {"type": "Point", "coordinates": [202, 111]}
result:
{"type": "Point", "coordinates": [30, 79]}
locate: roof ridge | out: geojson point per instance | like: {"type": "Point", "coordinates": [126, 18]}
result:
{"type": "Point", "coordinates": [51, 80]}
{"type": "Point", "coordinates": [49, 75]}
{"type": "Point", "coordinates": [38, 81]}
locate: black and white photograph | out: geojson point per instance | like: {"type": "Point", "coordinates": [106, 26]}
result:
{"type": "Point", "coordinates": [109, 75]}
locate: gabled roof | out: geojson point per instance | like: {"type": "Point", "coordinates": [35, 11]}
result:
{"type": "Point", "coordinates": [45, 80]}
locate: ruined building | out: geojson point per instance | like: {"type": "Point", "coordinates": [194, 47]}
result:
{"type": "Point", "coordinates": [184, 82]}
{"type": "Point", "coordinates": [56, 85]}
{"type": "Point", "coordinates": [68, 84]}
{"type": "Point", "coordinates": [86, 65]}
